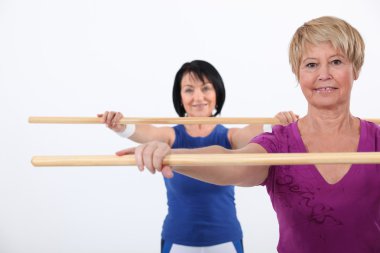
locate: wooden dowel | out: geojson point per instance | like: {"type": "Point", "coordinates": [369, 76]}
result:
{"type": "Point", "coordinates": [178, 120]}
{"type": "Point", "coordinates": [65, 120]}
{"type": "Point", "coordinates": [216, 159]}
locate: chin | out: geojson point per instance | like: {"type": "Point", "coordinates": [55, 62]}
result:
{"type": "Point", "coordinates": [326, 105]}
{"type": "Point", "coordinates": [198, 115]}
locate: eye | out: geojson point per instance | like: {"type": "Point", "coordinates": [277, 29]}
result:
{"type": "Point", "coordinates": [187, 90]}
{"type": "Point", "coordinates": [311, 65]}
{"type": "Point", "coordinates": [207, 87]}
{"type": "Point", "coordinates": [336, 62]}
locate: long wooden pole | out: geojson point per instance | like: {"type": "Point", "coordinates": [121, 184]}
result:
{"type": "Point", "coordinates": [178, 120]}
{"type": "Point", "coordinates": [216, 159]}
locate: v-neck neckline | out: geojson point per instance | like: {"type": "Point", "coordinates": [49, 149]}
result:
{"type": "Point", "coordinates": [314, 169]}
{"type": "Point", "coordinates": [206, 136]}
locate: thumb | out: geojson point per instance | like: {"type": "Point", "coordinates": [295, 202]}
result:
{"type": "Point", "coordinates": [126, 151]}
{"type": "Point", "coordinates": [167, 172]}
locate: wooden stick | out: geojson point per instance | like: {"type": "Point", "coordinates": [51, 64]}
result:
{"type": "Point", "coordinates": [216, 159]}
{"type": "Point", "coordinates": [178, 120]}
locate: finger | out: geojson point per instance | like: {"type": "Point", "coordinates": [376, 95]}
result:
{"type": "Point", "coordinates": [117, 118]}
{"type": "Point", "coordinates": [167, 172]}
{"type": "Point", "coordinates": [288, 117]}
{"type": "Point", "coordinates": [127, 151]}
{"type": "Point", "coordinates": [107, 115]}
{"type": "Point", "coordinates": [114, 120]}
{"type": "Point", "coordinates": [148, 156]}
{"type": "Point", "coordinates": [157, 160]}
{"type": "Point", "coordinates": [159, 155]}
{"type": "Point", "coordinates": [139, 157]}
{"type": "Point", "coordinates": [109, 119]}
{"type": "Point", "coordinates": [281, 117]}
{"type": "Point", "coordinates": [294, 116]}
{"type": "Point", "coordinates": [104, 116]}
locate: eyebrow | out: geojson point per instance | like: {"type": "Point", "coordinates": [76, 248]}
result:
{"type": "Point", "coordinates": [313, 58]}
{"type": "Point", "coordinates": [203, 84]}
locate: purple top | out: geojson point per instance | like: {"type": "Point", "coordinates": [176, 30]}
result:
{"type": "Point", "coordinates": [315, 216]}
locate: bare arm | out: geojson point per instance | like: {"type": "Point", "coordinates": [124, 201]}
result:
{"type": "Point", "coordinates": [240, 137]}
{"type": "Point", "coordinates": [151, 155]}
{"type": "Point", "coordinates": [143, 133]}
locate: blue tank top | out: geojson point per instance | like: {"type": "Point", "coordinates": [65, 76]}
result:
{"type": "Point", "coordinates": [200, 214]}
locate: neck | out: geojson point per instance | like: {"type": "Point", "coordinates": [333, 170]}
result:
{"type": "Point", "coordinates": [329, 121]}
{"type": "Point", "coordinates": [199, 127]}
{"type": "Point", "coordinates": [199, 130]}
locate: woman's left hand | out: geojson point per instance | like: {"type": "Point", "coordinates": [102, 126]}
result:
{"type": "Point", "coordinates": [286, 117]}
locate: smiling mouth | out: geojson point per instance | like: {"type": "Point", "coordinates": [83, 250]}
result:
{"type": "Point", "coordinates": [199, 106]}
{"type": "Point", "coordinates": [325, 89]}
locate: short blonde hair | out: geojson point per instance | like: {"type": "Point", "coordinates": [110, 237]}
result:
{"type": "Point", "coordinates": [327, 29]}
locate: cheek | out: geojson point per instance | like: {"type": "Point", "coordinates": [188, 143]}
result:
{"type": "Point", "coordinates": [304, 86]}
{"type": "Point", "coordinates": [347, 79]}
{"type": "Point", "coordinates": [185, 98]}
{"type": "Point", "coordinates": [212, 95]}
{"type": "Point", "coordinates": [213, 99]}
{"type": "Point", "coordinates": [306, 80]}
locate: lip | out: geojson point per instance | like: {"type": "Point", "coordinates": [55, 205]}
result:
{"type": "Point", "coordinates": [199, 105]}
{"type": "Point", "coordinates": [327, 89]}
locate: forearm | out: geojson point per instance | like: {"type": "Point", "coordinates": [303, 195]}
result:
{"type": "Point", "coordinates": [241, 137]}
{"type": "Point", "coordinates": [147, 133]}
{"type": "Point", "coordinates": [141, 133]}
{"type": "Point", "coordinates": [224, 175]}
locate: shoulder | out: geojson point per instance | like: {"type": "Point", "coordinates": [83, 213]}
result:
{"type": "Point", "coordinates": [179, 130]}
{"type": "Point", "coordinates": [276, 140]}
{"type": "Point", "coordinates": [279, 130]}
{"type": "Point", "coordinates": [371, 125]}
{"type": "Point", "coordinates": [371, 130]}
{"type": "Point", "coordinates": [179, 127]}
{"type": "Point", "coordinates": [220, 130]}
{"type": "Point", "coordinates": [220, 127]}
{"type": "Point", "coordinates": [177, 133]}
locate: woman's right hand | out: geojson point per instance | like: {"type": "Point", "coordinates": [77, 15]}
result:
{"type": "Point", "coordinates": [112, 119]}
{"type": "Point", "coordinates": [151, 156]}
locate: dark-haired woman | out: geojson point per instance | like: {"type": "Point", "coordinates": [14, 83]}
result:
{"type": "Point", "coordinates": [201, 216]}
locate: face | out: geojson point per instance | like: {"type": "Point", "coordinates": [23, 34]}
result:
{"type": "Point", "coordinates": [198, 98]}
{"type": "Point", "coordinates": [326, 76]}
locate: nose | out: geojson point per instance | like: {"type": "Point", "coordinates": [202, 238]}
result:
{"type": "Point", "coordinates": [198, 95]}
{"type": "Point", "coordinates": [324, 72]}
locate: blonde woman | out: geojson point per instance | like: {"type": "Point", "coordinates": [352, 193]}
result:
{"type": "Point", "coordinates": [320, 208]}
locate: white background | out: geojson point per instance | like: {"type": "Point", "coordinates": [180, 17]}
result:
{"type": "Point", "coordinates": [79, 58]}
